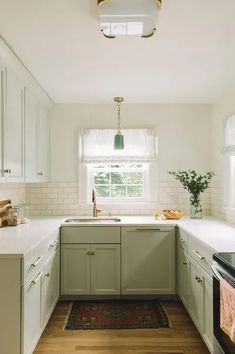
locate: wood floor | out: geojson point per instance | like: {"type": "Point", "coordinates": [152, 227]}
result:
{"type": "Point", "coordinates": [182, 338]}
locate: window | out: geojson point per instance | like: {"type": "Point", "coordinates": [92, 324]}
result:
{"type": "Point", "coordinates": [120, 181]}
{"type": "Point", "coordinates": [229, 167]}
{"type": "Point", "coordinates": [119, 175]}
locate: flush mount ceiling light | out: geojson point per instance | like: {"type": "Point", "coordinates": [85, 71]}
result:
{"type": "Point", "coordinates": [128, 17]}
{"type": "Point", "coordinates": [119, 138]}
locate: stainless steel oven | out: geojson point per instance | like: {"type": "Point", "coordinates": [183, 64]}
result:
{"type": "Point", "coordinates": [221, 270]}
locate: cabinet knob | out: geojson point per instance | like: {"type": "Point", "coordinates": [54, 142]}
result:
{"type": "Point", "coordinates": [90, 253]}
{"type": "Point", "coordinates": [39, 174]}
{"type": "Point", "coordinates": [198, 279]}
{"type": "Point", "coordinates": [8, 170]}
{"type": "Point", "coordinates": [47, 275]}
{"type": "Point", "coordinates": [185, 263]}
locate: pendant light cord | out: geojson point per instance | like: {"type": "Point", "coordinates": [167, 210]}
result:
{"type": "Point", "coordinates": [119, 117]}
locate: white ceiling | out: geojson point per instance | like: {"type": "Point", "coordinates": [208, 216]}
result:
{"type": "Point", "coordinates": [190, 59]}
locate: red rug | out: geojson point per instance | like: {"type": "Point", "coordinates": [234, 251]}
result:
{"type": "Point", "coordinates": [116, 314]}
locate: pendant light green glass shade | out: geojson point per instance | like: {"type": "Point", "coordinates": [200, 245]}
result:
{"type": "Point", "coordinates": [119, 142]}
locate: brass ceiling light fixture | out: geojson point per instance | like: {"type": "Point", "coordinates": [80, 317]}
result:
{"type": "Point", "coordinates": [119, 138]}
{"type": "Point", "coordinates": [128, 17]}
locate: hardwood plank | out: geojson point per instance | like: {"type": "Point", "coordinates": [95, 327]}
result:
{"type": "Point", "coordinates": [182, 338]}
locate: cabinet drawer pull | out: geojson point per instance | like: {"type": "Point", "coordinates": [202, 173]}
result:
{"type": "Point", "coordinates": [37, 261]}
{"type": "Point", "coordinates": [47, 275]}
{"type": "Point", "coordinates": [54, 243]}
{"type": "Point", "coordinates": [148, 229]}
{"type": "Point", "coordinates": [8, 170]}
{"type": "Point", "coordinates": [182, 240]}
{"type": "Point", "coordinates": [198, 279]}
{"type": "Point", "coordinates": [198, 255]}
{"type": "Point", "coordinates": [39, 174]}
{"type": "Point", "coordinates": [37, 278]}
{"type": "Point", "coordinates": [185, 263]}
{"type": "Point", "coordinates": [90, 253]}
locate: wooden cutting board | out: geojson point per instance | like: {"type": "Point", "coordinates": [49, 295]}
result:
{"type": "Point", "coordinates": [5, 205]}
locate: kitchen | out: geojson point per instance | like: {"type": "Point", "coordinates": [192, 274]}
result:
{"type": "Point", "coordinates": [59, 78]}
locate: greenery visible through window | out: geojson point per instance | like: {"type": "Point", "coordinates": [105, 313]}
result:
{"type": "Point", "coordinates": [119, 181]}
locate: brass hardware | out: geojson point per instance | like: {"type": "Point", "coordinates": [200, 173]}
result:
{"type": "Point", "coordinates": [37, 261]}
{"type": "Point", "coordinates": [8, 170]}
{"type": "Point", "coordinates": [95, 210]}
{"type": "Point", "coordinates": [198, 255]}
{"type": "Point", "coordinates": [39, 174]}
{"type": "Point", "coordinates": [37, 278]}
{"type": "Point", "coordinates": [90, 253]}
{"type": "Point", "coordinates": [185, 263]}
{"type": "Point", "coordinates": [47, 275]}
{"type": "Point", "coordinates": [54, 243]}
{"type": "Point", "coordinates": [149, 35]}
{"type": "Point", "coordinates": [198, 279]}
{"type": "Point", "coordinates": [148, 229]}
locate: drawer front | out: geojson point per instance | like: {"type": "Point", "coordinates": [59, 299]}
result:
{"type": "Point", "coordinates": [182, 239]}
{"type": "Point", "coordinates": [200, 253]}
{"type": "Point", "coordinates": [39, 255]}
{"type": "Point", "coordinates": [90, 234]}
{"type": "Point", "coordinates": [33, 261]}
{"type": "Point", "coordinates": [52, 243]}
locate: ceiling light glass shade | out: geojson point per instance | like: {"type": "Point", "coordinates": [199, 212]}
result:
{"type": "Point", "coordinates": [119, 138]}
{"type": "Point", "coordinates": [128, 17]}
{"type": "Point", "coordinates": [119, 142]}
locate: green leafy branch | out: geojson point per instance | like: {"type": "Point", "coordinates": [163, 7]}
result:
{"type": "Point", "coordinates": [195, 184]}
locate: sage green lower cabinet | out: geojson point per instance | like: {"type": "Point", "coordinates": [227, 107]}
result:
{"type": "Point", "coordinates": [32, 312]}
{"type": "Point", "coordinates": [182, 275]}
{"type": "Point", "coordinates": [195, 284]}
{"type": "Point", "coordinates": [50, 286]}
{"type": "Point", "coordinates": [75, 269]}
{"type": "Point", "coordinates": [105, 269]}
{"type": "Point", "coordinates": [201, 301]}
{"type": "Point", "coordinates": [90, 269]}
{"type": "Point", "coordinates": [148, 260]}
{"type": "Point", "coordinates": [196, 289]}
{"type": "Point", "coordinates": [39, 297]}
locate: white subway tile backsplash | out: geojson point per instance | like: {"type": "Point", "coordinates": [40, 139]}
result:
{"type": "Point", "coordinates": [61, 198]}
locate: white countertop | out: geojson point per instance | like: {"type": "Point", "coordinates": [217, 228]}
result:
{"type": "Point", "coordinates": [17, 241]}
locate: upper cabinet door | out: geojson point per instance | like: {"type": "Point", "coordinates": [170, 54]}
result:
{"type": "Point", "coordinates": [14, 129]}
{"type": "Point", "coordinates": [31, 116]}
{"type": "Point", "coordinates": [2, 112]}
{"type": "Point", "coordinates": [43, 134]}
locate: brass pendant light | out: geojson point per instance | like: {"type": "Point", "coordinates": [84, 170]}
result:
{"type": "Point", "coordinates": [119, 138]}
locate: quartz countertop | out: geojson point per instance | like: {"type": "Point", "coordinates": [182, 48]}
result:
{"type": "Point", "coordinates": [17, 241]}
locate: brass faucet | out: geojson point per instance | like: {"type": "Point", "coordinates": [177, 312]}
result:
{"type": "Point", "coordinates": [95, 210]}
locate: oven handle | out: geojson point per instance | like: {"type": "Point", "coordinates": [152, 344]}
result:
{"type": "Point", "coordinates": [216, 273]}
{"type": "Point", "coordinates": [215, 269]}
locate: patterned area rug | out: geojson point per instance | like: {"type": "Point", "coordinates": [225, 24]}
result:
{"type": "Point", "coordinates": [117, 314]}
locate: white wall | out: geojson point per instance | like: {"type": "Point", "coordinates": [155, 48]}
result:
{"type": "Point", "coordinates": [221, 109]}
{"type": "Point", "coordinates": [183, 131]}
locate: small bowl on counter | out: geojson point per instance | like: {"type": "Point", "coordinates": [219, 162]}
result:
{"type": "Point", "coordinates": [173, 214]}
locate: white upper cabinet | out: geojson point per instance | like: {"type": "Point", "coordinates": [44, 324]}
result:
{"type": "Point", "coordinates": [31, 116]}
{"type": "Point", "coordinates": [24, 123]}
{"type": "Point", "coordinates": [13, 122]}
{"type": "Point", "coordinates": [37, 123]}
{"type": "Point", "coordinates": [2, 109]}
{"type": "Point", "coordinates": [43, 129]}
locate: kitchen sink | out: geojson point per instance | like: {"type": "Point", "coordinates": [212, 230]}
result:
{"type": "Point", "coordinates": [92, 219]}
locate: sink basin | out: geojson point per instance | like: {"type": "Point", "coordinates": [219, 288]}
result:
{"type": "Point", "coordinates": [92, 219]}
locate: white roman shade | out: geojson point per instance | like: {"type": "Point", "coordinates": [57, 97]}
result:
{"type": "Point", "coordinates": [229, 136]}
{"type": "Point", "coordinates": [97, 145]}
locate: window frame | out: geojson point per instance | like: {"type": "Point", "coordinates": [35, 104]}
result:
{"type": "Point", "coordinates": [91, 169]}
